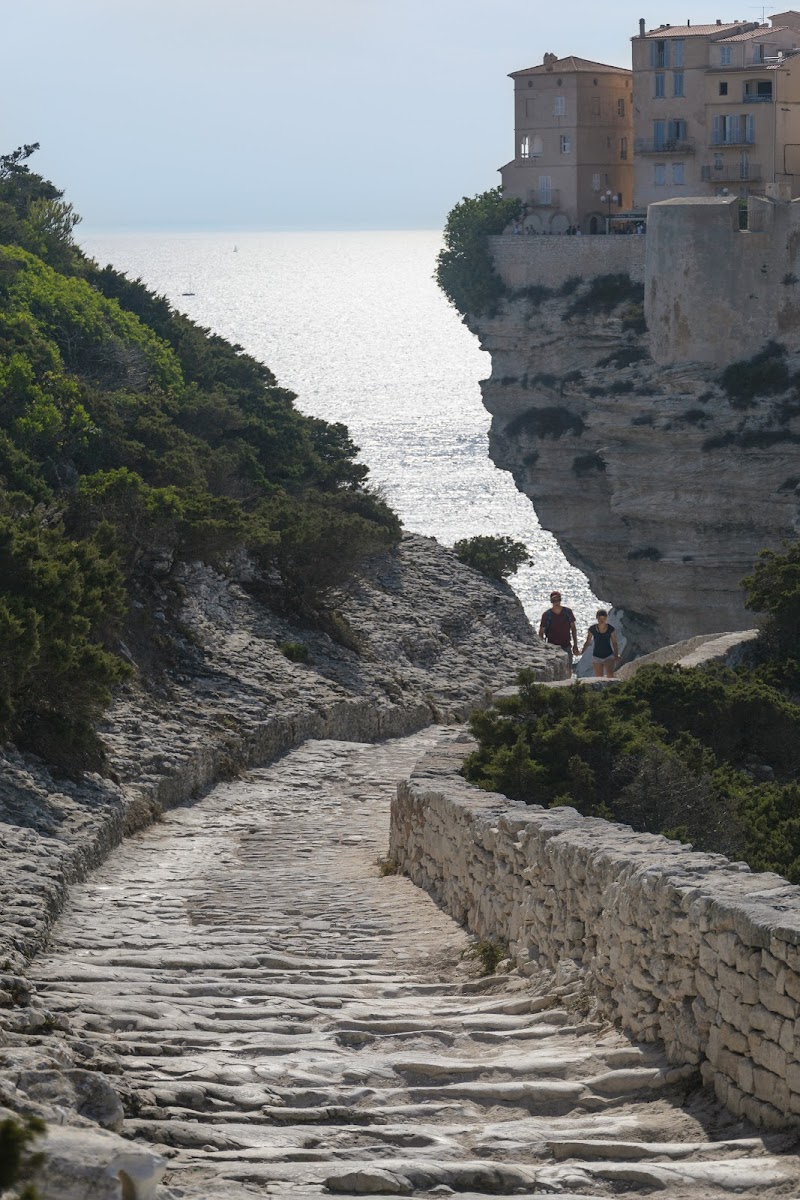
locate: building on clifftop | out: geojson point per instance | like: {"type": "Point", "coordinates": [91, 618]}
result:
{"type": "Point", "coordinates": [573, 160]}
{"type": "Point", "coordinates": [716, 109]}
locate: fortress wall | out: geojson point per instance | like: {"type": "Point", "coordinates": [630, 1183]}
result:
{"type": "Point", "coordinates": [550, 261]}
{"type": "Point", "coordinates": [682, 947]}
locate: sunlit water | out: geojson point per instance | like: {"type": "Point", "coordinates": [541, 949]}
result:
{"type": "Point", "coordinates": [354, 323]}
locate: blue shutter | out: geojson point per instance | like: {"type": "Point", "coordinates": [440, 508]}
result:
{"type": "Point", "coordinates": [652, 54]}
{"type": "Point", "coordinates": [749, 128]}
{"type": "Point", "coordinates": [716, 137]}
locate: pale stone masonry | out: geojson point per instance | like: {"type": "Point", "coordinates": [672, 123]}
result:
{"type": "Point", "coordinates": [573, 154]}
{"type": "Point", "coordinates": [677, 946]}
{"type": "Point", "coordinates": [716, 108]}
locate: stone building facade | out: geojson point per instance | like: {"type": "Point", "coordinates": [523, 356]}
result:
{"type": "Point", "coordinates": [573, 159]}
{"type": "Point", "coordinates": [716, 109]}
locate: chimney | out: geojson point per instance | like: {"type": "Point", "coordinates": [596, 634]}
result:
{"type": "Point", "coordinates": [641, 26]}
{"type": "Point", "coordinates": [688, 24]}
{"type": "Point", "coordinates": [719, 22]}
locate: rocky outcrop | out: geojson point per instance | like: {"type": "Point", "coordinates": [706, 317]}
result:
{"type": "Point", "coordinates": [657, 483]}
{"type": "Point", "coordinates": [677, 946]}
{"type": "Point", "coordinates": [430, 639]}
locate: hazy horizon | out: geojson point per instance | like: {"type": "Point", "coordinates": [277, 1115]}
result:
{"type": "Point", "coordinates": [260, 115]}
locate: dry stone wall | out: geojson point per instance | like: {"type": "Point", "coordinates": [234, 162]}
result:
{"type": "Point", "coordinates": [687, 948]}
{"type": "Point", "coordinates": [551, 261]}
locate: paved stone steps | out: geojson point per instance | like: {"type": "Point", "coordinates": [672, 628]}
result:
{"type": "Point", "coordinates": [290, 1022]}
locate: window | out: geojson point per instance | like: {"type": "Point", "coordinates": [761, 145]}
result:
{"type": "Point", "coordinates": [659, 175]}
{"type": "Point", "coordinates": [566, 144]}
{"type": "Point", "coordinates": [723, 89]}
{"type": "Point", "coordinates": [734, 130]}
{"type": "Point", "coordinates": [525, 148]}
{"type": "Point", "coordinates": [676, 132]}
{"type": "Point", "coordinates": [560, 106]}
{"type": "Point", "coordinates": [596, 182]}
{"type": "Point", "coordinates": [677, 54]}
{"type": "Point", "coordinates": [659, 86]}
{"type": "Point", "coordinates": [537, 146]}
{"type": "Point", "coordinates": [529, 108]}
{"type": "Point", "coordinates": [659, 54]}
{"type": "Point", "coordinates": [677, 173]}
{"type": "Point", "coordinates": [758, 54]}
{"type": "Point", "coordinates": [757, 90]}
{"type": "Point", "coordinates": [595, 106]}
{"type": "Point", "coordinates": [719, 162]}
{"type": "Point", "coordinates": [545, 189]}
{"type": "Point", "coordinates": [623, 147]}
{"type": "Point", "coordinates": [659, 134]}
{"type": "Point", "coordinates": [677, 83]}
{"type": "Point", "coordinates": [620, 108]}
{"type": "Point", "coordinates": [724, 56]}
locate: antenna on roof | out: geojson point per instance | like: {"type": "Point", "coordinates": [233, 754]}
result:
{"type": "Point", "coordinates": [762, 8]}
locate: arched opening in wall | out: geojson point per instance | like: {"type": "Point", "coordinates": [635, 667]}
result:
{"type": "Point", "coordinates": [537, 146]}
{"type": "Point", "coordinates": [559, 223]}
{"type": "Point", "coordinates": [533, 224]}
{"type": "Point", "coordinates": [593, 227]}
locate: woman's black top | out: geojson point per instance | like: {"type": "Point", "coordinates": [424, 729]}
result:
{"type": "Point", "coordinates": [602, 642]}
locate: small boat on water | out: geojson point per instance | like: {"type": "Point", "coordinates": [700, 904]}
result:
{"type": "Point", "coordinates": [187, 293]}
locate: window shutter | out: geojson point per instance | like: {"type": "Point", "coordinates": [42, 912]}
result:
{"type": "Point", "coordinates": [717, 134]}
{"type": "Point", "coordinates": [652, 54]}
{"type": "Point", "coordinates": [749, 128]}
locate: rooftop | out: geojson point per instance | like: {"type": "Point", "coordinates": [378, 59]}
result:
{"type": "Point", "coordinates": [763, 31]}
{"type": "Point", "coordinates": [682, 31]}
{"type": "Point", "coordinates": [567, 65]}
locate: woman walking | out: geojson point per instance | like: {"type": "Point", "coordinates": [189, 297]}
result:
{"type": "Point", "coordinates": [605, 650]}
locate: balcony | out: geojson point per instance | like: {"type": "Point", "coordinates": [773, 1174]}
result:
{"type": "Point", "coordinates": [739, 140]}
{"type": "Point", "coordinates": [664, 146]}
{"type": "Point", "coordinates": [736, 173]}
{"type": "Point", "coordinates": [546, 199]}
{"type": "Point", "coordinates": [754, 98]}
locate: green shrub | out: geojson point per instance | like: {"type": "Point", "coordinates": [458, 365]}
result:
{"type": "Point", "coordinates": [586, 463]}
{"type": "Point", "coordinates": [464, 269]}
{"type": "Point", "coordinates": [550, 421]}
{"type": "Point", "coordinates": [497, 557]}
{"type": "Point", "coordinates": [710, 756]}
{"type": "Point", "coordinates": [17, 1160]}
{"type": "Point", "coordinates": [296, 652]}
{"type": "Point", "coordinates": [603, 294]}
{"type": "Point", "coordinates": [765, 374]}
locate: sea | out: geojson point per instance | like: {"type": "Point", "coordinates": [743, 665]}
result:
{"type": "Point", "coordinates": [356, 326]}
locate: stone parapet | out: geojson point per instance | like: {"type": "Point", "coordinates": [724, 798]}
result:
{"type": "Point", "coordinates": [687, 948]}
{"type": "Point", "coordinates": [550, 261]}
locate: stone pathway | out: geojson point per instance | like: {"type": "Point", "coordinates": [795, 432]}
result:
{"type": "Point", "coordinates": [290, 1019]}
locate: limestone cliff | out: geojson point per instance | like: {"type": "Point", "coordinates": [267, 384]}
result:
{"type": "Point", "coordinates": [659, 482]}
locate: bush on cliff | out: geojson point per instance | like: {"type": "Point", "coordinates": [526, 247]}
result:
{"type": "Point", "coordinates": [497, 557]}
{"type": "Point", "coordinates": [709, 756]}
{"type": "Point", "coordinates": [131, 440]}
{"type": "Point", "coordinates": [464, 269]}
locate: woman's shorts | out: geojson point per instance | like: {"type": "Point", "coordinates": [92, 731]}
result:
{"type": "Point", "coordinates": [608, 658]}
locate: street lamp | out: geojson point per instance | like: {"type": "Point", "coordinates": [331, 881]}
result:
{"type": "Point", "coordinates": [610, 198]}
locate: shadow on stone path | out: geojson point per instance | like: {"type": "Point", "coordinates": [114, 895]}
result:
{"type": "Point", "coordinates": [290, 1020]}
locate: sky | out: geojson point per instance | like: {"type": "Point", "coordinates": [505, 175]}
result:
{"type": "Point", "coordinates": [283, 114]}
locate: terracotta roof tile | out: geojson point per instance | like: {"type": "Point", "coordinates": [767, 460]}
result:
{"type": "Point", "coordinates": [764, 31]}
{"type": "Point", "coordinates": [570, 63]}
{"type": "Point", "coordinates": [682, 31]}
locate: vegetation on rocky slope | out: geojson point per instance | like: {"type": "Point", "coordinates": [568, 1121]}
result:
{"type": "Point", "coordinates": [131, 440]}
{"type": "Point", "coordinates": [464, 269]}
{"type": "Point", "coordinates": [709, 756]}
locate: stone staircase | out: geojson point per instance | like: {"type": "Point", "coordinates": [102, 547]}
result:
{"type": "Point", "coordinates": [292, 1019]}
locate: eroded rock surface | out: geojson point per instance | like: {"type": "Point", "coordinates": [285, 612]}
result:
{"type": "Point", "coordinates": [656, 483]}
{"type": "Point", "coordinates": [281, 1017]}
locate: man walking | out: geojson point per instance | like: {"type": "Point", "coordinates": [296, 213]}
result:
{"type": "Point", "coordinates": [557, 627]}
